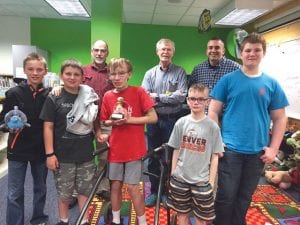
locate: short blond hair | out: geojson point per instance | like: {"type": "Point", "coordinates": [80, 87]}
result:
{"type": "Point", "coordinates": [119, 62]}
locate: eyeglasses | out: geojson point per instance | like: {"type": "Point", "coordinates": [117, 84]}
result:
{"type": "Point", "coordinates": [120, 74]}
{"type": "Point", "coordinates": [193, 99]}
{"type": "Point", "coordinates": [99, 50]}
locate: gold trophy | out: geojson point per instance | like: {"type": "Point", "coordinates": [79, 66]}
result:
{"type": "Point", "coordinates": [119, 111]}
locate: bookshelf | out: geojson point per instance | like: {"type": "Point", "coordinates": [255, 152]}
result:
{"type": "Point", "coordinates": [6, 82]}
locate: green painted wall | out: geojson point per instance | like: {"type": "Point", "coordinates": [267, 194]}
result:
{"type": "Point", "coordinates": [72, 39]}
{"type": "Point", "coordinates": [139, 40]}
{"type": "Point", "coordinates": [64, 39]}
{"type": "Point", "coordinates": [106, 24]}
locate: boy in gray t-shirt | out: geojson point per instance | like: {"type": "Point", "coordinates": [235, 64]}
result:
{"type": "Point", "coordinates": [196, 140]}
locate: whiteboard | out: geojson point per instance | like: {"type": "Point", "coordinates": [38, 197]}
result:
{"type": "Point", "coordinates": [282, 61]}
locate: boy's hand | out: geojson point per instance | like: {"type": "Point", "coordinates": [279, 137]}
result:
{"type": "Point", "coordinates": [269, 155]}
{"type": "Point", "coordinates": [119, 122]}
{"type": "Point", "coordinates": [52, 163]}
{"type": "Point", "coordinates": [102, 138]}
{"type": "Point", "coordinates": [56, 91]}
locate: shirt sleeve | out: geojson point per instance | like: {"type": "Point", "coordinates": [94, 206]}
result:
{"type": "Point", "coordinates": [220, 90]}
{"type": "Point", "coordinates": [146, 100]}
{"type": "Point", "coordinates": [218, 143]}
{"type": "Point", "coordinates": [48, 110]}
{"type": "Point", "coordinates": [146, 83]}
{"type": "Point", "coordinates": [279, 99]}
{"type": "Point", "coordinates": [175, 138]}
{"type": "Point", "coordinates": [104, 113]}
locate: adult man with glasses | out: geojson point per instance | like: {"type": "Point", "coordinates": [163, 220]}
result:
{"type": "Point", "coordinates": [167, 85]}
{"type": "Point", "coordinates": [96, 76]}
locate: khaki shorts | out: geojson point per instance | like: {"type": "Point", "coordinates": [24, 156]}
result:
{"type": "Point", "coordinates": [184, 197]}
{"type": "Point", "coordinates": [74, 176]}
{"type": "Point", "coordinates": [128, 172]}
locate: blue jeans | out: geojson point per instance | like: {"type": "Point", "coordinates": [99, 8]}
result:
{"type": "Point", "coordinates": [15, 198]}
{"type": "Point", "coordinates": [158, 134]}
{"type": "Point", "coordinates": [238, 176]}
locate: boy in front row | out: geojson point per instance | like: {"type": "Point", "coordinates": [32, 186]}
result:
{"type": "Point", "coordinates": [68, 136]}
{"type": "Point", "coordinates": [127, 109]}
{"type": "Point", "coordinates": [196, 140]}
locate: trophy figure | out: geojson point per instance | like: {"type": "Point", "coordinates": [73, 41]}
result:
{"type": "Point", "coordinates": [119, 111]}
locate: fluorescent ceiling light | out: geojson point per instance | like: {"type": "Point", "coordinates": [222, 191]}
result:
{"type": "Point", "coordinates": [239, 12]}
{"type": "Point", "coordinates": [68, 7]}
{"type": "Point", "coordinates": [238, 17]}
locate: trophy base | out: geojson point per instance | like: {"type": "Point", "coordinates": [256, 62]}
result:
{"type": "Point", "coordinates": [117, 116]}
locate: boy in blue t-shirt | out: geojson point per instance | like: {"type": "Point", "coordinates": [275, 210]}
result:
{"type": "Point", "coordinates": [253, 100]}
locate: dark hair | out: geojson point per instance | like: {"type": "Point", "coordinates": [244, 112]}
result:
{"type": "Point", "coordinates": [254, 38]}
{"type": "Point", "coordinates": [117, 62]}
{"type": "Point", "coordinates": [217, 39]}
{"type": "Point", "coordinates": [35, 56]}
{"type": "Point", "coordinates": [72, 63]}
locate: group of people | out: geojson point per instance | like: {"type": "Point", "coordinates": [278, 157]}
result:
{"type": "Point", "coordinates": [224, 141]}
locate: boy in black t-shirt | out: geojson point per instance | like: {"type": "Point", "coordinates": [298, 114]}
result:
{"type": "Point", "coordinates": [68, 135]}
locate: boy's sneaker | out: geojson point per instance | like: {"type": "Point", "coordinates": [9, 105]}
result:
{"type": "Point", "coordinates": [150, 200]}
{"type": "Point", "coordinates": [62, 223]}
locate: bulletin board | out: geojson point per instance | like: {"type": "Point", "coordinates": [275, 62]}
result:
{"type": "Point", "coordinates": [282, 61]}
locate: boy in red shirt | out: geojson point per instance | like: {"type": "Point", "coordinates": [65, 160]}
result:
{"type": "Point", "coordinates": [127, 141]}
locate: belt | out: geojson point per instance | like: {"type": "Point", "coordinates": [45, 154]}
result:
{"type": "Point", "coordinates": [169, 115]}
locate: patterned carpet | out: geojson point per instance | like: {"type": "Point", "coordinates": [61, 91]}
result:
{"type": "Point", "coordinates": [269, 206]}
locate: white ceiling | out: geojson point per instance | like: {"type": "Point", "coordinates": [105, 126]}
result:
{"type": "Point", "coordinates": [159, 12]}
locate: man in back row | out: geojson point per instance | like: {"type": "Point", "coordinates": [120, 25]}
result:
{"type": "Point", "coordinates": [96, 76]}
{"type": "Point", "coordinates": [210, 71]}
{"type": "Point", "coordinates": [167, 85]}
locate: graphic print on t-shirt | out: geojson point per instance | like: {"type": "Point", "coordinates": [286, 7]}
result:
{"type": "Point", "coordinates": [192, 142]}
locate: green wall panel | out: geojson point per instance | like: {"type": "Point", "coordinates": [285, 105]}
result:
{"type": "Point", "coordinates": [106, 24]}
{"type": "Point", "coordinates": [64, 39]}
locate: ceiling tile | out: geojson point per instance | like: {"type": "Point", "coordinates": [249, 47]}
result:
{"type": "Point", "coordinates": [211, 3]}
{"type": "Point", "coordinates": [175, 3]}
{"type": "Point", "coordinates": [164, 19]}
{"type": "Point", "coordinates": [4, 11]}
{"type": "Point", "coordinates": [23, 10]}
{"type": "Point", "coordinates": [15, 2]}
{"type": "Point", "coordinates": [189, 21]}
{"type": "Point", "coordinates": [139, 2]}
{"type": "Point", "coordinates": [143, 18]}
{"type": "Point", "coordinates": [194, 11]}
{"type": "Point", "coordinates": [170, 10]}
{"type": "Point", "coordinates": [138, 7]}
{"type": "Point", "coordinates": [35, 2]}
